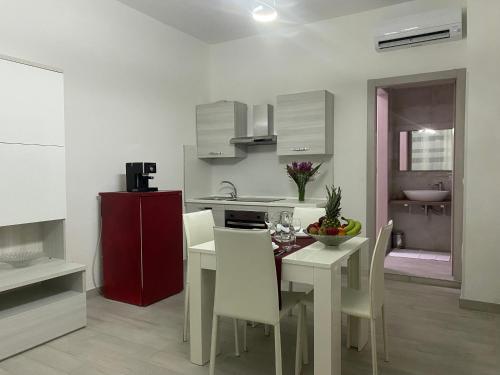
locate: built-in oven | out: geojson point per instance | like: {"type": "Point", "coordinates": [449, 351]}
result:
{"type": "Point", "coordinates": [245, 219]}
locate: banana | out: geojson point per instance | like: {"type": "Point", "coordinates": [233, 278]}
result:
{"type": "Point", "coordinates": [355, 230]}
{"type": "Point", "coordinates": [350, 224]}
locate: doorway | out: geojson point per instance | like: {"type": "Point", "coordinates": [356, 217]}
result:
{"type": "Point", "coordinates": [415, 173]}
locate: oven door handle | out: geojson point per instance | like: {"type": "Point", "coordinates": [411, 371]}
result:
{"type": "Point", "coordinates": [246, 224]}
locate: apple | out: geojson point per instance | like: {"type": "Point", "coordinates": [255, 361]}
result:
{"type": "Point", "coordinates": [332, 231]}
{"type": "Point", "coordinates": [312, 229]}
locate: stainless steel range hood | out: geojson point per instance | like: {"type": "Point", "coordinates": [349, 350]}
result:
{"type": "Point", "coordinates": [263, 128]}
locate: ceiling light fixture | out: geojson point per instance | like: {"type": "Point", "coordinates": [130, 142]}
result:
{"type": "Point", "coordinates": [427, 131]}
{"type": "Point", "coordinates": [264, 12]}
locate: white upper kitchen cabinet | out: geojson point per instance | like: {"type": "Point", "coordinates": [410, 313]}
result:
{"type": "Point", "coordinates": [33, 184]}
{"type": "Point", "coordinates": [216, 124]}
{"type": "Point", "coordinates": [32, 101]}
{"type": "Point", "coordinates": [304, 123]}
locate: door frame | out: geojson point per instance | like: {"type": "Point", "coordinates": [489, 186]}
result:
{"type": "Point", "coordinates": [459, 77]}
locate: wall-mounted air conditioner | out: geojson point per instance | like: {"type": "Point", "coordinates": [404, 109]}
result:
{"type": "Point", "coordinates": [411, 31]}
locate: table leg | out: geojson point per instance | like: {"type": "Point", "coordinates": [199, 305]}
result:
{"type": "Point", "coordinates": [357, 271]}
{"type": "Point", "coordinates": [327, 321]}
{"type": "Point", "coordinates": [201, 304]}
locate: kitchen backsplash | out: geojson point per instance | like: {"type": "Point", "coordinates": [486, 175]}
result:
{"type": "Point", "coordinates": [260, 173]}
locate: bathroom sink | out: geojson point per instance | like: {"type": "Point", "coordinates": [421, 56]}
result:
{"type": "Point", "coordinates": [427, 195]}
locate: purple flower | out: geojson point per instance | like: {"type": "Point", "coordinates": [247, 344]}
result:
{"type": "Point", "coordinates": [301, 172]}
{"type": "Point", "coordinates": [305, 166]}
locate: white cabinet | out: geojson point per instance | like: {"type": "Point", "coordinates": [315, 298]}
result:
{"type": "Point", "coordinates": [40, 303]}
{"type": "Point", "coordinates": [304, 123]}
{"type": "Point", "coordinates": [33, 184]}
{"type": "Point", "coordinates": [216, 124]}
{"type": "Point", "coordinates": [45, 298]}
{"type": "Point", "coordinates": [32, 105]}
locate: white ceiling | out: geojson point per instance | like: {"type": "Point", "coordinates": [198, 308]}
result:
{"type": "Point", "coordinates": [216, 21]}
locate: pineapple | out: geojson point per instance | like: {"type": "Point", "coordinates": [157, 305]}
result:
{"type": "Point", "coordinates": [332, 208]}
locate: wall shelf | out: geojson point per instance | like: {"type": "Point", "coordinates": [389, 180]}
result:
{"type": "Point", "coordinates": [48, 269]}
{"type": "Point", "coordinates": [424, 204]}
{"type": "Point", "coordinates": [39, 312]}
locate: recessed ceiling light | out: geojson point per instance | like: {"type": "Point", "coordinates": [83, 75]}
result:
{"type": "Point", "coordinates": [264, 13]}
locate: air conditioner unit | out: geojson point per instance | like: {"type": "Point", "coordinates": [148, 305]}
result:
{"type": "Point", "coordinates": [411, 31]}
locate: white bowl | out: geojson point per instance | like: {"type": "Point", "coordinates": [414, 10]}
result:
{"type": "Point", "coordinates": [427, 195]}
{"type": "Point", "coordinates": [331, 240]}
{"type": "Point", "coordinates": [20, 257]}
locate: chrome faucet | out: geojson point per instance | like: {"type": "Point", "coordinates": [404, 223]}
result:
{"type": "Point", "coordinates": [234, 193]}
{"type": "Point", "coordinates": [439, 185]}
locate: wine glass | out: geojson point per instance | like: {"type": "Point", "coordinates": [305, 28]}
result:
{"type": "Point", "coordinates": [296, 227]}
{"type": "Point", "coordinates": [286, 229]}
{"type": "Point", "coordinates": [268, 220]}
{"type": "Point", "coordinates": [271, 221]}
{"type": "Point", "coordinates": [278, 232]}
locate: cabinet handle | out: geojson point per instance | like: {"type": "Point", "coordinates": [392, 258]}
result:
{"type": "Point", "coordinates": [215, 153]}
{"type": "Point", "coordinates": [301, 149]}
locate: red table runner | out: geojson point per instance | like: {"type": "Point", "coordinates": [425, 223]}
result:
{"type": "Point", "coordinates": [302, 242]}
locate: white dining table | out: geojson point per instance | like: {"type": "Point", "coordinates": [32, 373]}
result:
{"type": "Point", "coordinates": [316, 265]}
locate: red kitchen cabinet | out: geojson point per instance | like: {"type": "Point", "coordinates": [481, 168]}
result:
{"type": "Point", "coordinates": [141, 246]}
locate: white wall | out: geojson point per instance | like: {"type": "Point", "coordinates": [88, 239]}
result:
{"type": "Point", "coordinates": [339, 55]}
{"type": "Point", "coordinates": [131, 85]}
{"type": "Point", "coordinates": [482, 179]}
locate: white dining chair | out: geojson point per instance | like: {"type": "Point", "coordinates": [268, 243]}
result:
{"type": "Point", "coordinates": [246, 286]}
{"type": "Point", "coordinates": [199, 228]}
{"type": "Point", "coordinates": [368, 304]}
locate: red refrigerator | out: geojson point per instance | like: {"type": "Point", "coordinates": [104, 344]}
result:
{"type": "Point", "coordinates": [142, 246]}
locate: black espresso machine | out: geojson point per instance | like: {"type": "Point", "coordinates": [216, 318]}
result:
{"type": "Point", "coordinates": [138, 176]}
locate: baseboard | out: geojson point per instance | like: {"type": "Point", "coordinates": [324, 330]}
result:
{"type": "Point", "coordinates": [479, 306]}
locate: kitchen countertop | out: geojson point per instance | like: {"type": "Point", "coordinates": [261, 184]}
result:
{"type": "Point", "coordinates": [283, 202]}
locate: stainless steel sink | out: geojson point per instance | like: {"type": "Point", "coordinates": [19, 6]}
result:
{"type": "Point", "coordinates": [240, 199]}
{"type": "Point", "coordinates": [217, 198]}
{"type": "Point", "coordinates": [252, 199]}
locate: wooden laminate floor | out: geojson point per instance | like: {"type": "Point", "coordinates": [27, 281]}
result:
{"type": "Point", "coordinates": [434, 269]}
{"type": "Point", "coordinates": [428, 334]}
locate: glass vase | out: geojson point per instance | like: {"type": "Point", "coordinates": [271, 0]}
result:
{"type": "Point", "coordinates": [302, 192]}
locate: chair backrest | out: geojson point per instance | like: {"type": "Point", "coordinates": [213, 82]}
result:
{"type": "Point", "coordinates": [376, 284]}
{"type": "Point", "coordinates": [308, 215]}
{"type": "Point", "coordinates": [198, 227]}
{"type": "Point", "coordinates": [245, 284]}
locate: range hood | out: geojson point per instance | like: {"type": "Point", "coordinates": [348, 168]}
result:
{"type": "Point", "coordinates": [263, 128]}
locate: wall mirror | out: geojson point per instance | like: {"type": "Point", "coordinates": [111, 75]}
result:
{"type": "Point", "coordinates": [426, 150]}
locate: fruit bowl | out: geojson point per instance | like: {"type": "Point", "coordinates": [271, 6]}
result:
{"type": "Point", "coordinates": [330, 240]}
